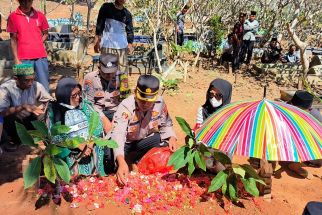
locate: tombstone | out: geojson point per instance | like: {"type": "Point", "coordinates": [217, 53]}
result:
{"type": "Point", "coordinates": [316, 70]}
{"type": "Point", "coordinates": [266, 172]}
{"type": "Point", "coordinates": [316, 60]}
{"type": "Point", "coordinates": [52, 46]}
{"type": "Point", "coordinates": [6, 61]}
{"type": "Point", "coordinates": [316, 66]}
{"type": "Point", "coordinates": [74, 56]}
{"type": "Point", "coordinates": [67, 57]}
{"type": "Point", "coordinates": [65, 29]}
{"type": "Point", "coordinates": [79, 47]}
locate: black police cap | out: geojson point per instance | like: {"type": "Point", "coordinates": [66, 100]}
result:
{"type": "Point", "coordinates": [147, 88]}
{"type": "Point", "coordinates": [109, 63]}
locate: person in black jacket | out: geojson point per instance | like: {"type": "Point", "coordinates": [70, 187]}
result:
{"type": "Point", "coordinates": [238, 33]}
{"type": "Point", "coordinates": [180, 25]}
{"type": "Point", "coordinates": [114, 32]}
{"type": "Point", "coordinates": [273, 52]}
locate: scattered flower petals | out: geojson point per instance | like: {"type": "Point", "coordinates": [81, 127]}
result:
{"type": "Point", "coordinates": [143, 194]}
{"type": "Point", "coordinates": [137, 208]}
{"type": "Point", "coordinates": [74, 205]}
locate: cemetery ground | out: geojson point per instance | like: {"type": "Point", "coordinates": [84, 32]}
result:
{"type": "Point", "coordinates": [289, 193]}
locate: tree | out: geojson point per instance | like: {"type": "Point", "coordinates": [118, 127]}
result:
{"type": "Point", "coordinates": [307, 16]}
{"type": "Point", "coordinates": [90, 6]}
{"type": "Point", "coordinates": [297, 18]}
{"type": "Point", "coordinates": [160, 15]}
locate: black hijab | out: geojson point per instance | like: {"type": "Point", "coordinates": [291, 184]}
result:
{"type": "Point", "coordinates": [225, 89]}
{"type": "Point", "coordinates": [63, 93]}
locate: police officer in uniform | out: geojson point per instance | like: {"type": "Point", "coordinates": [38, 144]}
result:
{"type": "Point", "coordinates": [102, 88]}
{"type": "Point", "coordinates": [141, 122]}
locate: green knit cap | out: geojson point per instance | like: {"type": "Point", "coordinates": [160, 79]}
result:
{"type": "Point", "coordinates": [23, 69]}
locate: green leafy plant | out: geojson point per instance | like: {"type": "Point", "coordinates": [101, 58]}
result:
{"type": "Point", "coordinates": [177, 50]}
{"type": "Point", "coordinates": [193, 154]}
{"type": "Point", "coordinates": [171, 84]}
{"type": "Point", "coordinates": [227, 180]}
{"type": "Point", "coordinates": [49, 159]}
{"type": "Point", "coordinates": [190, 155]}
{"type": "Point", "coordinates": [217, 29]}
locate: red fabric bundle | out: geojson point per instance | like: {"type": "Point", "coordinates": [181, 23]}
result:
{"type": "Point", "coordinates": [155, 161]}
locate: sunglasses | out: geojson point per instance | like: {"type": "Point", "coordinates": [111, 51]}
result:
{"type": "Point", "coordinates": [218, 96]}
{"type": "Point", "coordinates": [74, 96]}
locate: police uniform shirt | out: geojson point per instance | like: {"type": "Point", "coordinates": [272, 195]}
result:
{"type": "Point", "coordinates": [103, 97]}
{"type": "Point", "coordinates": [130, 124]}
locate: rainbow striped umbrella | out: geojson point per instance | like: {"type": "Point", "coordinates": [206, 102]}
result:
{"type": "Point", "coordinates": [264, 129]}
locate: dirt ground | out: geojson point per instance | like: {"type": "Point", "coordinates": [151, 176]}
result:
{"type": "Point", "coordinates": [290, 193]}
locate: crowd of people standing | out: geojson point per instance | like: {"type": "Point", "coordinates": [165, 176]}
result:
{"type": "Point", "coordinates": [240, 43]}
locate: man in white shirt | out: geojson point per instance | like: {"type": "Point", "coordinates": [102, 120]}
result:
{"type": "Point", "coordinates": [251, 27]}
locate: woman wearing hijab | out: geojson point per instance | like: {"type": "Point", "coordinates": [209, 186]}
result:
{"type": "Point", "coordinates": [218, 95]}
{"type": "Point", "coordinates": [70, 110]}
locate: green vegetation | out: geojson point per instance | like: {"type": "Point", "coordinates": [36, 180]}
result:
{"type": "Point", "coordinates": [192, 156]}
{"type": "Point", "coordinates": [49, 160]}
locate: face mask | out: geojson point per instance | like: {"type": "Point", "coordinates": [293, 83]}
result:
{"type": "Point", "coordinates": [215, 103]}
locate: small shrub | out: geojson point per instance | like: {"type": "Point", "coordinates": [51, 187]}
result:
{"type": "Point", "coordinates": [192, 155]}
{"type": "Point", "coordinates": [171, 84]}
{"type": "Point", "coordinates": [49, 162]}
{"type": "Point", "coordinates": [217, 29]}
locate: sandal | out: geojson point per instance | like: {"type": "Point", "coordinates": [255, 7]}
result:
{"type": "Point", "coordinates": [314, 163]}
{"type": "Point", "coordinates": [296, 168]}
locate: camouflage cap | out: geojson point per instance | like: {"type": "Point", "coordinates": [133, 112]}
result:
{"type": "Point", "coordinates": [23, 69]}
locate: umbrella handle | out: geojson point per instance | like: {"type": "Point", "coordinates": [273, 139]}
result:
{"type": "Point", "coordinates": [264, 92]}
